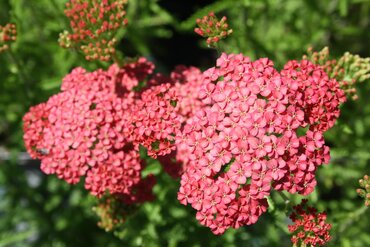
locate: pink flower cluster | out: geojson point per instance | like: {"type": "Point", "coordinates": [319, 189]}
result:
{"type": "Point", "coordinates": [94, 128]}
{"type": "Point", "coordinates": [187, 82]}
{"type": "Point", "coordinates": [261, 130]}
{"type": "Point", "coordinates": [309, 228]}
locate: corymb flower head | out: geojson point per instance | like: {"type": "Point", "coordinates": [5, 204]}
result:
{"type": "Point", "coordinates": [260, 130]}
{"type": "Point", "coordinates": [93, 128]}
{"type": "Point", "coordinates": [309, 227]}
{"type": "Point", "coordinates": [94, 25]}
{"type": "Point", "coordinates": [213, 29]}
{"type": "Point", "coordinates": [8, 34]}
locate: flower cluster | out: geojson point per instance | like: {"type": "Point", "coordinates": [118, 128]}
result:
{"type": "Point", "coordinates": [155, 120]}
{"type": "Point", "coordinates": [94, 128]}
{"type": "Point", "coordinates": [94, 25]}
{"type": "Point", "coordinates": [187, 82]}
{"type": "Point", "coordinates": [8, 34]}
{"type": "Point", "coordinates": [260, 130]}
{"type": "Point", "coordinates": [348, 70]}
{"type": "Point", "coordinates": [364, 191]}
{"type": "Point", "coordinates": [213, 29]}
{"type": "Point", "coordinates": [309, 228]}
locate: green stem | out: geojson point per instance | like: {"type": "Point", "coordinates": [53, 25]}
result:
{"type": "Point", "coordinates": [23, 78]}
{"type": "Point", "coordinates": [118, 59]}
{"type": "Point", "coordinates": [352, 216]}
{"type": "Point", "coordinates": [284, 197]}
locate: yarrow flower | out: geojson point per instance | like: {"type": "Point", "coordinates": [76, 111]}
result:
{"type": "Point", "coordinates": [260, 130]}
{"type": "Point", "coordinates": [187, 82]}
{"type": "Point", "coordinates": [95, 126]}
{"type": "Point", "coordinates": [8, 34]}
{"type": "Point", "coordinates": [94, 25]}
{"type": "Point", "coordinates": [364, 191]}
{"type": "Point", "coordinates": [309, 227]}
{"type": "Point", "coordinates": [213, 29]}
{"type": "Point", "coordinates": [348, 70]}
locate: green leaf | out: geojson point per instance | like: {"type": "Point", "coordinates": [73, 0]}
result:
{"type": "Point", "coordinates": [343, 7]}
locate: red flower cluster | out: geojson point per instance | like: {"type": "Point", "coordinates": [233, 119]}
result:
{"type": "Point", "coordinates": [260, 130]}
{"type": "Point", "coordinates": [94, 127]}
{"type": "Point", "coordinates": [187, 82]}
{"type": "Point", "coordinates": [155, 120]}
{"type": "Point", "coordinates": [213, 29]}
{"type": "Point", "coordinates": [309, 228]}
{"type": "Point", "coordinates": [94, 25]}
{"type": "Point", "coordinates": [8, 34]}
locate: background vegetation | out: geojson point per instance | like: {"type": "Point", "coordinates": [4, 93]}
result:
{"type": "Point", "coordinates": [39, 210]}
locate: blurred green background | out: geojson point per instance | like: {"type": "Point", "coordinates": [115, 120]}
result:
{"type": "Point", "coordinates": [39, 210]}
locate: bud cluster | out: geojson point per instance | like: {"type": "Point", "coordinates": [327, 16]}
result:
{"type": "Point", "coordinates": [113, 210]}
{"type": "Point", "coordinates": [94, 25]}
{"type": "Point", "coordinates": [309, 227]}
{"type": "Point", "coordinates": [8, 34]}
{"type": "Point", "coordinates": [364, 191]}
{"type": "Point", "coordinates": [213, 29]}
{"type": "Point", "coordinates": [347, 70]}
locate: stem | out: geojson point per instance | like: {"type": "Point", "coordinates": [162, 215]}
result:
{"type": "Point", "coordinates": [284, 197]}
{"type": "Point", "coordinates": [117, 59]}
{"type": "Point", "coordinates": [352, 216]}
{"type": "Point", "coordinates": [20, 73]}
{"type": "Point", "coordinates": [217, 46]}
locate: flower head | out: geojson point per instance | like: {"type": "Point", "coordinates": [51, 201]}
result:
{"type": "Point", "coordinates": [246, 140]}
{"type": "Point", "coordinates": [92, 129]}
{"type": "Point", "coordinates": [309, 227]}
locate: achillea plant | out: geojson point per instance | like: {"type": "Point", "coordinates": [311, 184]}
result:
{"type": "Point", "coordinates": [94, 25]}
{"type": "Point", "coordinates": [261, 130]}
{"type": "Point", "coordinates": [8, 34]}
{"type": "Point", "coordinates": [364, 191]}
{"type": "Point", "coordinates": [213, 29]}
{"type": "Point", "coordinates": [309, 227]}
{"type": "Point", "coordinates": [348, 70]}
{"type": "Point", "coordinates": [95, 126]}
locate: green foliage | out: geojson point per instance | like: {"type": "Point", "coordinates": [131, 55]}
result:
{"type": "Point", "coordinates": [39, 210]}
